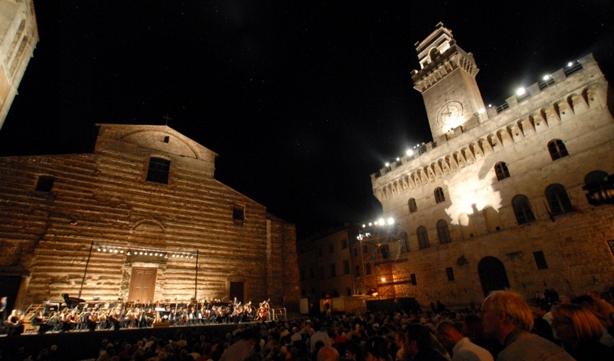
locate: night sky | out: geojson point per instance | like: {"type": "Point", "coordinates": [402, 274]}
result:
{"type": "Point", "coordinates": [301, 100]}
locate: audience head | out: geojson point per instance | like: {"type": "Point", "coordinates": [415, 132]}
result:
{"type": "Point", "coordinates": [574, 324]}
{"type": "Point", "coordinates": [328, 353]}
{"type": "Point", "coordinates": [448, 333]}
{"type": "Point", "coordinates": [504, 312]}
{"type": "Point", "coordinates": [377, 349]}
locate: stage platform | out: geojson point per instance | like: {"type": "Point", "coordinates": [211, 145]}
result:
{"type": "Point", "coordinates": [82, 345]}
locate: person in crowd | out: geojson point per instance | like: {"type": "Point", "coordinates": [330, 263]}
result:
{"type": "Point", "coordinates": [419, 344]}
{"type": "Point", "coordinates": [461, 348]}
{"type": "Point", "coordinates": [580, 331]}
{"type": "Point", "coordinates": [508, 318]}
{"type": "Point", "coordinates": [320, 335]}
{"type": "Point", "coordinates": [377, 349]}
{"type": "Point", "coordinates": [328, 353]}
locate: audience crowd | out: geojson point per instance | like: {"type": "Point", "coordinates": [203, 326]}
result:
{"type": "Point", "coordinates": [504, 328]}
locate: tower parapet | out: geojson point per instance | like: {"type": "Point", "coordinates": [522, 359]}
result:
{"type": "Point", "coordinates": [575, 88]}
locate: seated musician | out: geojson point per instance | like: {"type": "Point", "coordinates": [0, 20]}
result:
{"type": "Point", "coordinates": [39, 319]}
{"type": "Point", "coordinates": [14, 323]}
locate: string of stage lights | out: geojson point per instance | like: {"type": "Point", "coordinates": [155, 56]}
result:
{"type": "Point", "coordinates": [135, 251]}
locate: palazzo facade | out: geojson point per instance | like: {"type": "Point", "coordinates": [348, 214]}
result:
{"type": "Point", "coordinates": [511, 196]}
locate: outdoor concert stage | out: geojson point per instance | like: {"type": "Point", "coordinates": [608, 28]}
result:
{"type": "Point", "coordinates": [79, 345]}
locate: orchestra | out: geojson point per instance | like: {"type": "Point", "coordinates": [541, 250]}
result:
{"type": "Point", "coordinates": [84, 316]}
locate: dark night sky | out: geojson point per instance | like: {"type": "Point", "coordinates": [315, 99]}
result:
{"type": "Point", "coordinates": [301, 100]}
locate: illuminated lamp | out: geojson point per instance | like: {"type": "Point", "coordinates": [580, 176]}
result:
{"type": "Point", "coordinates": [521, 91]}
{"type": "Point", "coordinates": [390, 221]}
{"type": "Point", "coordinates": [409, 152]}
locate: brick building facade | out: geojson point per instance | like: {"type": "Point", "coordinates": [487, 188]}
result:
{"type": "Point", "coordinates": [131, 219]}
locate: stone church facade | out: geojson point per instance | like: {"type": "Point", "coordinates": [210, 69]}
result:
{"type": "Point", "coordinates": [18, 38]}
{"type": "Point", "coordinates": [142, 218]}
{"type": "Point", "coordinates": [516, 196]}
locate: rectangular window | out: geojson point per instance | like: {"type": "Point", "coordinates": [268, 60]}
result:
{"type": "Point", "coordinates": [238, 214]}
{"type": "Point", "coordinates": [344, 244]}
{"type": "Point", "coordinates": [385, 250]}
{"type": "Point", "coordinates": [302, 274]}
{"type": "Point", "coordinates": [357, 271]}
{"type": "Point", "coordinates": [167, 139]}
{"type": "Point", "coordinates": [450, 273]}
{"type": "Point", "coordinates": [413, 279]}
{"type": "Point", "coordinates": [346, 267]}
{"type": "Point", "coordinates": [368, 268]}
{"type": "Point", "coordinates": [158, 170]}
{"type": "Point", "coordinates": [45, 183]}
{"type": "Point", "coordinates": [540, 260]}
{"type": "Point", "coordinates": [311, 273]}
{"type": "Point", "coordinates": [333, 270]}
{"type": "Point", "coordinates": [364, 249]}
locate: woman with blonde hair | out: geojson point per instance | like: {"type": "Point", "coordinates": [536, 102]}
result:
{"type": "Point", "coordinates": [580, 330]}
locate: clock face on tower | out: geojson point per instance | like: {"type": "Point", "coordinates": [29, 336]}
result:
{"type": "Point", "coordinates": [450, 115]}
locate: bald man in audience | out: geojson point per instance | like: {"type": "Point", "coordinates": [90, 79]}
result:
{"type": "Point", "coordinates": [328, 353]}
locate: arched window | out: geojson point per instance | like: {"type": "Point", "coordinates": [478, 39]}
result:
{"type": "Point", "coordinates": [558, 200]}
{"type": "Point", "coordinates": [443, 232]}
{"type": "Point", "coordinates": [595, 179]}
{"type": "Point", "coordinates": [412, 205]}
{"type": "Point", "coordinates": [423, 237]}
{"type": "Point", "coordinates": [522, 209]}
{"type": "Point", "coordinates": [557, 149]}
{"type": "Point", "coordinates": [404, 242]}
{"type": "Point", "coordinates": [439, 197]}
{"type": "Point", "coordinates": [501, 171]}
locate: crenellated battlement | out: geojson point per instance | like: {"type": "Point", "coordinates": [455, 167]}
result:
{"type": "Point", "coordinates": [548, 103]}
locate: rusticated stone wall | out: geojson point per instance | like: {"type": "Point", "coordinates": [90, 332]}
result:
{"type": "Point", "coordinates": [103, 199]}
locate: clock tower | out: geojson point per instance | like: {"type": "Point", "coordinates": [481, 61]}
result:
{"type": "Point", "coordinates": [446, 80]}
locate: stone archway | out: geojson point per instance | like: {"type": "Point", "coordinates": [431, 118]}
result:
{"type": "Point", "coordinates": [492, 275]}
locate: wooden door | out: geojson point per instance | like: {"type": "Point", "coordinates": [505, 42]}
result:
{"type": "Point", "coordinates": [236, 290]}
{"type": "Point", "coordinates": [142, 284]}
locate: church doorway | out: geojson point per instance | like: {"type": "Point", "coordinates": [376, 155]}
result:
{"type": "Point", "coordinates": [236, 290]}
{"type": "Point", "coordinates": [142, 284]}
{"type": "Point", "coordinates": [492, 275]}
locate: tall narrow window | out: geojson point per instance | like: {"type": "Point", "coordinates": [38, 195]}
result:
{"type": "Point", "coordinates": [346, 267]}
{"type": "Point", "coordinates": [540, 260]}
{"type": "Point", "coordinates": [368, 268]}
{"type": "Point", "coordinates": [522, 209]}
{"type": "Point", "coordinates": [450, 273]}
{"type": "Point", "coordinates": [158, 170]}
{"type": "Point", "coordinates": [385, 250]}
{"type": "Point", "coordinates": [439, 197]}
{"type": "Point", "coordinates": [558, 201]}
{"type": "Point", "coordinates": [423, 237]}
{"type": "Point", "coordinates": [412, 205]}
{"type": "Point", "coordinates": [404, 242]}
{"type": "Point", "coordinates": [333, 270]}
{"type": "Point", "coordinates": [44, 183]}
{"type": "Point", "coordinates": [501, 171]}
{"type": "Point", "coordinates": [412, 278]}
{"type": "Point", "coordinates": [443, 232]}
{"type": "Point", "coordinates": [557, 149]}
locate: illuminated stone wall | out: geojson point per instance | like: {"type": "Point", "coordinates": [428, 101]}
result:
{"type": "Point", "coordinates": [478, 207]}
{"type": "Point", "coordinates": [104, 198]}
{"type": "Point", "coordinates": [19, 35]}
